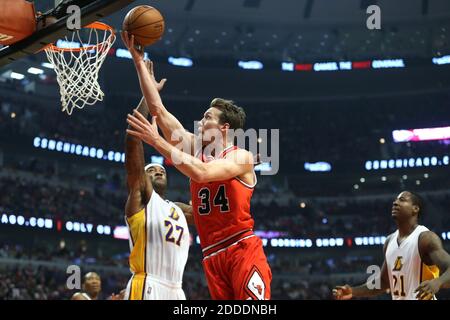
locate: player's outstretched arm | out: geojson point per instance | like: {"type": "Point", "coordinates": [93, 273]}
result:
{"type": "Point", "coordinates": [432, 253]}
{"type": "Point", "coordinates": [187, 211]}
{"type": "Point", "coordinates": [347, 292]}
{"type": "Point", "coordinates": [172, 129]}
{"type": "Point", "coordinates": [168, 123]}
{"type": "Point", "coordinates": [138, 184]}
{"type": "Point", "coordinates": [216, 170]}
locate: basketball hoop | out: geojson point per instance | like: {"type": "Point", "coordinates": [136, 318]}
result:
{"type": "Point", "coordinates": [77, 64]}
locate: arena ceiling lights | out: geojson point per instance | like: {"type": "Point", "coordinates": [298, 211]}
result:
{"type": "Point", "coordinates": [123, 53]}
{"type": "Point", "coordinates": [425, 134]}
{"type": "Point", "coordinates": [101, 154]}
{"type": "Point", "coordinates": [344, 65]}
{"type": "Point", "coordinates": [416, 162]}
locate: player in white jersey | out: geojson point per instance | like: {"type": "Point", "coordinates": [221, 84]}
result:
{"type": "Point", "coordinates": [159, 235]}
{"type": "Point", "coordinates": [414, 257]}
{"type": "Point", "coordinates": [159, 244]}
{"type": "Point", "coordinates": [92, 286]}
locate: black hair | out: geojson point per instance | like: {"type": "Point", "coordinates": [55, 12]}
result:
{"type": "Point", "coordinates": [417, 200]}
{"type": "Point", "coordinates": [85, 276]}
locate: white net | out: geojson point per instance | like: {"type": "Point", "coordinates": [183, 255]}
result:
{"type": "Point", "coordinates": [77, 64]}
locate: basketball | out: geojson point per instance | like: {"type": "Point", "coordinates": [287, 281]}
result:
{"type": "Point", "coordinates": [145, 23]}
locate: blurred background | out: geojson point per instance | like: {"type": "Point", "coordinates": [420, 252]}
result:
{"type": "Point", "coordinates": [340, 95]}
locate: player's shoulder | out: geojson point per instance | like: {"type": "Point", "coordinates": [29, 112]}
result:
{"type": "Point", "coordinates": [388, 240]}
{"type": "Point", "coordinates": [427, 236]}
{"type": "Point", "coordinates": [427, 242]}
{"type": "Point", "coordinates": [154, 196]}
{"type": "Point", "coordinates": [173, 204]}
{"type": "Point", "coordinates": [78, 296]}
{"type": "Point", "coordinates": [241, 156]}
{"type": "Point", "coordinates": [389, 237]}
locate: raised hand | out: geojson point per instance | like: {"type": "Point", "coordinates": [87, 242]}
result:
{"type": "Point", "coordinates": [137, 52]}
{"type": "Point", "coordinates": [159, 85]}
{"type": "Point", "coordinates": [120, 296]}
{"type": "Point", "coordinates": [142, 128]}
{"type": "Point", "coordinates": [427, 289]}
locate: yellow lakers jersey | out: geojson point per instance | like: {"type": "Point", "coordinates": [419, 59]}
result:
{"type": "Point", "coordinates": [405, 267]}
{"type": "Point", "coordinates": [159, 240]}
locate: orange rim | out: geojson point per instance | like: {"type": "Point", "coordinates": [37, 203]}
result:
{"type": "Point", "coordinates": [94, 25]}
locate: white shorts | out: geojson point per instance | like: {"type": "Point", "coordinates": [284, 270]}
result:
{"type": "Point", "coordinates": [141, 287]}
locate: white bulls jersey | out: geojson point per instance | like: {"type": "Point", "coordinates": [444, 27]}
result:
{"type": "Point", "coordinates": [159, 245]}
{"type": "Point", "coordinates": [405, 267]}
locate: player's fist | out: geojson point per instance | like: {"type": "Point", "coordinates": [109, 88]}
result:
{"type": "Point", "coordinates": [120, 296]}
{"type": "Point", "coordinates": [343, 292]}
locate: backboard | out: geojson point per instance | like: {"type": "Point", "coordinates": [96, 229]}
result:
{"type": "Point", "coordinates": [91, 10]}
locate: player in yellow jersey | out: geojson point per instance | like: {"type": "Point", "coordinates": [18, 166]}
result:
{"type": "Point", "coordinates": [159, 235]}
{"type": "Point", "coordinates": [414, 256]}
